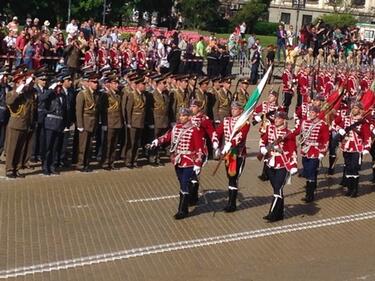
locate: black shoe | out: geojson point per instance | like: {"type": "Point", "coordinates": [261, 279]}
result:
{"type": "Point", "coordinates": [54, 172]}
{"type": "Point", "coordinates": [193, 193]}
{"type": "Point", "coordinates": [129, 166]}
{"type": "Point", "coordinates": [354, 187]}
{"type": "Point", "coordinates": [331, 171]}
{"type": "Point", "coordinates": [46, 173]}
{"type": "Point", "coordinates": [310, 189]}
{"type": "Point", "coordinates": [19, 175]}
{"type": "Point", "coordinates": [373, 175]}
{"type": "Point", "coordinates": [11, 175]}
{"type": "Point", "coordinates": [183, 208]}
{"type": "Point", "coordinates": [86, 170]}
{"type": "Point", "coordinates": [267, 217]}
{"type": "Point", "coordinates": [231, 207]}
{"type": "Point", "coordinates": [277, 210]}
{"type": "Point", "coordinates": [263, 177]}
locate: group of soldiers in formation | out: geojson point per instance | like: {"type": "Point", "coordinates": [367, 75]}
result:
{"type": "Point", "coordinates": [195, 116]}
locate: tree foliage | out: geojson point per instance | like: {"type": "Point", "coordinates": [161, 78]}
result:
{"type": "Point", "coordinates": [340, 20]}
{"type": "Point", "coordinates": [200, 13]}
{"type": "Point", "coordinates": [251, 12]}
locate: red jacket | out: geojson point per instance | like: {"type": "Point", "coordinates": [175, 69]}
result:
{"type": "Point", "coordinates": [287, 82]}
{"type": "Point", "coordinates": [204, 123]}
{"type": "Point", "coordinates": [314, 137]}
{"type": "Point", "coordinates": [225, 130]}
{"type": "Point", "coordinates": [186, 145]}
{"type": "Point", "coordinates": [282, 155]}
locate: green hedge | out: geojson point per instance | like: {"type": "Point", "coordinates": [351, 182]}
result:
{"type": "Point", "coordinates": [265, 28]}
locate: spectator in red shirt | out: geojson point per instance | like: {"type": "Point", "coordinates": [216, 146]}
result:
{"type": "Point", "coordinates": [21, 42]}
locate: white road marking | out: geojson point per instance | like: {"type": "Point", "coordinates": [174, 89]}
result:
{"type": "Point", "coordinates": [180, 245]}
{"type": "Point", "coordinates": [163, 197]}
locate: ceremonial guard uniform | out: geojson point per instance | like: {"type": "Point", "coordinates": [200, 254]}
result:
{"type": "Point", "coordinates": [234, 151]}
{"type": "Point", "coordinates": [356, 142]}
{"type": "Point", "coordinates": [186, 155]}
{"type": "Point", "coordinates": [87, 116]}
{"type": "Point", "coordinates": [90, 58]}
{"type": "Point", "coordinates": [223, 101]}
{"type": "Point", "coordinates": [314, 137]}
{"type": "Point", "coordinates": [278, 146]}
{"type": "Point", "coordinates": [113, 120]}
{"type": "Point", "coordinates": [21, 103]}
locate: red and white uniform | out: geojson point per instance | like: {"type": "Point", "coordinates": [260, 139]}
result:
{"type": "Point", "coordinates": [126, 59]}
{"type": "Point", "coordinates": [328, 88]}
{"type": "Point", "coordinates": [225, 130]}
{"type": "Point", "coordinates": [287, 82]}
{"type": "Point", "coordinates": [303, 84]}
{"type": "Point", "coordinates": [355, 140]}
{"type": "Point", "coordinates": [202, 121]}
{"type": "Point", "coordinates": [352, 85]}
{"type": "Point", "coordinates": [265, 108]}
{"type": "Point", "coordinates": [340, 79]}
{"type": "Point", "coordinates": [284, 154]}
{"type": "Point", "coordinates": [141, 59]}
{"type": "Point", "coordinates": [102, 57]}
{"type": "Point", "coordinates": [90, 59]}
{"type": "Point", "coordinates": [301, 114]}
{"type": "Point", "coordinates": [365, 83]}
{"type": "Point", "coordinates": [186, 145]}
{"type": "Point", "coordinates": [314, 135]}
{"type": "Point", "coordinates": [320, 83]}
{"type": "Point", "coordinates": [115, 59]}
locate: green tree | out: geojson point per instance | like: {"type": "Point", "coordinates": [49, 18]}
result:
{"type": "Point", "coordinates": [339, 20]}
{"type": "Point", "coordinates": [251, 12]}
{"type": "Point", "coordinates": [199, 13]}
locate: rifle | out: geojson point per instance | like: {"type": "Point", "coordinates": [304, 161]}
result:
{"type": "Point", "coordinates": [272, 145]}
{"type": "Point", "coordinates": [192, 95]}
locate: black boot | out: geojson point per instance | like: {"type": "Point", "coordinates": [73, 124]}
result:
{"type": "Point", "coordinates": [354, 187]}
{"type": "Point", "coordinates": [344, 180]}
{"type": "Point", "coordinates": [349, 185]}
{"type": "Point", "coordinates": [193, 193]}
{"type": "Point", "coordinates": [267, 217]}
{"type": "Point", "coordinates": [331, 169]}
{"type": "Point", "coordinates": [277, 210]}
{"type": "Point", "coordinates": [264, 176]}
{"type": "Point", "coordinates": [310, 189]}
{"type": "Point", "coordinates": [232, 196]}
{"type": "Point", "coordinates": [183, 207]}
{"type": "Point", "coordinates": [373, 175]}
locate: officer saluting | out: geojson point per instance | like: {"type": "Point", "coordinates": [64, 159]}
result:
{"type": "Point", "coordinates": [87, 114]}
{"type": "Point", "coordinates": [223, 101]}
{"type": "Point", "coordinates": [186, 155]}
{"type": "Point", "coordinates": [54, 124]}
{"type": "Point", "coordinates": [4, 111]}
{"type": "Point", "coordinates": [21, 103]}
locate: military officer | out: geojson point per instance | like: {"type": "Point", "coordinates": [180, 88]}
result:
{"type": "Point", "coordinates": [86, 114]}
{"type": "Point", "coordinates": [242, 94]}
{"type": "Point", "coordinates": [223, 99]}
{"type": "Point", "coordinates": [21, 103]}
{"type": "Point", "coordinates": [4, 111]}
{"type": "Point", "coordinates": [180, 95]}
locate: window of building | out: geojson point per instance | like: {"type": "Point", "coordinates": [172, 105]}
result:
{"type": "Point", "coordinates": [306, 19]}
{"type": "Point", "coordinates": [285, 18]}
{"type": "Point", "coordinates": [358, 3]}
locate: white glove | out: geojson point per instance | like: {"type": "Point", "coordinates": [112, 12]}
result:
{"type": "Point", "coordinates": [129, 126]}
{"type": "Point", "coordinates": [197, 170]}
{"type": "Point", "coordinates": [155, 143]}
{"type": "Point", "coordinates": [28, 80]}
{"type": "Point", "coordinates": [321, 156]}
{"type": "Point", "coordinates": [80, 129]}
{"type": "Point", "coordinates": [1, 76]}
{"type": "Point", "coordinates": [104, 128]}
{"type": "Point", "coordinates": [20, 88]}
{"type": "Point", "coordinates": [226, 148]}
{"type": "Point", "coordinates": [217, 121]}
{"type": "Point", "coordinates": [258, 118]}
{"type": "Point", "coordinates": [53, 86]}
{"type": "Point", "coordinates": [365, 152]}
{"type": "Point", "coordinates": [263, 150]}
{"type": "Point", "coordinates": [342, 132]}
{"type": "Point", "coordinates": [215, 145]}
{"type": "Point", "coordinates": [293, 171]}
{"type": "Point", "coordinates": [151, 126]}
{"type": "Point", "coordinates": [373, 131]}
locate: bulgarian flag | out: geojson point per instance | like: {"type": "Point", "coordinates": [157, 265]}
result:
{"type": "Point", "coordinates": [251, 103]}
{"type": "Point", "coordinates": [248, 111]}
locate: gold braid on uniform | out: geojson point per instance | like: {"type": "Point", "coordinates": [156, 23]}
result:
{"type": "Point", "coordinates": [138, 101]}
{"type": "Point", "coordinates": [89, 100]}
{"type": "Point", "coordinates": [20, 111]}
{"type": "Point", "coordinates": [113, 103]}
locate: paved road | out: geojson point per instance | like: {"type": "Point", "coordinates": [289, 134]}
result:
{"type": "Point", "coordinates": [119, 226]}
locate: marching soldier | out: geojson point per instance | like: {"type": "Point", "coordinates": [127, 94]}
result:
{"type": "Point", "coordinates": [201, 120]}
{"type": "Point", "coordinates": [113, 120]}
{"type": "Point", "coordinates": [54, 124]}
{"type": "Point", "coordinates": [223, 100]}
{"type": "Point", "coordinates": [4, 111]}
{"type": "Point", "coordinates": [234, 151]}
{"type": "Point", "coordinates": [242, 94]}
{"type": "Point", "coordinates": [21, 103]}
{"type": "Point", "coordinates": [314, 137]}
{"type": "Point", "coordinates": [87, 115]}
{"type": "Point", "coordinates": [356, 143]}
{"type": "Point", "coordinates": [186, 155]}
{"type": "Point", "coordinates": [278, 146]}
{"type": "Point", "coordinates": [135, 116]}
